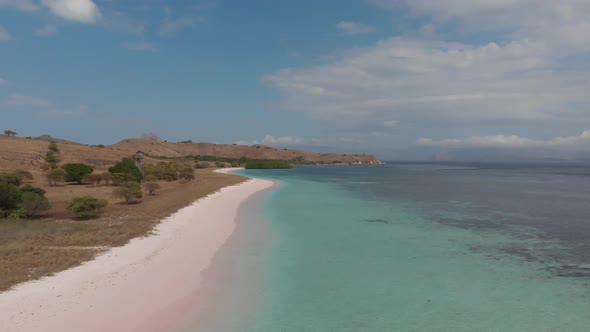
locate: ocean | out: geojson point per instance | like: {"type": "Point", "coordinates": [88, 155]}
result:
{"type": "Point", "coordinates": [408, 247]}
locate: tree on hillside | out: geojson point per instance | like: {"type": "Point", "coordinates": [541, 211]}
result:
{"type": "Point", "coordinates": [187, 173]}
{"type": "Point", "coordinates": [107, 178]}
{"type": "Point", "coordinates": [94, 178]}
{"type": "Point", "coordinates": [9, 178]}
{"type": "Point", "coordinates": [86, 207]}
{"type": "Point", "coordinates": [53, 147]}
{"type": "Point", "coordinates": [54, 176]}
{"type": "Point", "coordinates": [151, 187]}
{"type": "Point", "coordinates": [127, 165]}
{"type": "Point", "coordinates": [33, 204]}
{"type": "Point", "coordinates": [9, 133]}
{"type": "Point", "coordinates": [10, 199]}
{"type": "Point", "coordinates": [120, 178]}
{"type": "Point", "coordinates": [130, 191]}
{"type": "Point", "coordinates": [28, 188]}
{"type": "Point", "coordinates": [51, 158]}
{"type": "Point", "coordinates": [22, 174]}
{"type": "Point", "coordinates": [163, 171]}
{"type": "Point", "coordinates": [75, 172]}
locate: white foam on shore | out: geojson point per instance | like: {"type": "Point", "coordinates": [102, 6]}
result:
{"type": "Point", "coordinates": [146, 285]}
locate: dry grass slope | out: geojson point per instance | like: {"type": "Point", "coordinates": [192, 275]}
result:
{"type": "Point", "coordinates": [25, 153]}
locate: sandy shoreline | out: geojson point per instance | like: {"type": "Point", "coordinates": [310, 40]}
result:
{"type": "Point", "coordinates": [146, 285]}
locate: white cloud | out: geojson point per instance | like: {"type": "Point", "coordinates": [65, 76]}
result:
{"type": "Point", "coordinates": [142, 46]}
{"type": "Point", "coordinates": [284, 140]}
{"type": "Point", "coordinates": [405, 79]}
{"type": "Point", "coordinates": [21, 5]}
{"type": "Point", "coordinates": [530, 68]}
{"type": "Point", "coordinates": [41, 108]}
{"type": "Point", "coordinates": [354, 28]}
{"type": "Point", "coordinates": [513, 141]}
{"type": "Point", "coordinates": [46, 31]}
{"type": "Point", "coordinates": [26, 100]}
{"type": "Point", "coordinates": [281, 141]}
{"type": "Point", "coordinates": [170, 26]}
{"type": "Point", "coordinates": [82, 11]}
{"type": "Point", "coordinates": [4, 82]}
{"type": "Point", "coordinates": [4, 34]}
{"type": "Point", "coordinates": [563, 23]}
{"type": "Point", "coordinates": [122, 21]}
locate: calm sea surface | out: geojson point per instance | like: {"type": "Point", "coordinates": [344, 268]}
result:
{"type": "Point", "coordinates": [410, 247]}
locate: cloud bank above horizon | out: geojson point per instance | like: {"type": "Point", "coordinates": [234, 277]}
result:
{"type": "Point", "coordinates": [481, 64]}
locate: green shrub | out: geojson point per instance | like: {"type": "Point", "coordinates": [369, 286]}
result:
{"type": "Point", "coordinates": [130, 191]}
{"type": "Point", "coordinates": [22, 174]}
{"type": "Point", "coordinates": [33, 204]}
{"type": "Point", "coordinates": [268, 164]}
{"type": "Point", "coordinates": [16, 214]}
{"type": "Point", "coordinates": [165, 171]}
{"type": "Point", "coordinates": [151, 187]}
{"type": "Point", "coordinates": [95, 178]}
{"type": "Point", "coordinates": [127, 165]}
{"type": "Point", "coordinates": [107, 177]}
{"type": "Point", "coordinates": [53, 147]}
{"type": "Point", "coordinates": [235, 164]}
{"type": "Point", "coordinates": [51, 157]}
{"type": "Point", "coordinates": [10, 178]}
{"type": "Point", "coordinates": [151, 178]}
{"type": "Point", "coordinates": [120, 178]}
{"type": "Point", "coordinates": [27, 188]}
{"type": "Point", "coordinates": [10, 199]}
{"type": "Point", "coordinates": [86, 207]}
{"type": "Point", "coordinates": [201, 165]}
{"type": "Point", "coordinates": [75, 172]}
{"type": "Point", "coordinates": [219, 164]}
{"type": "Point", "coordinates": [187, 173]}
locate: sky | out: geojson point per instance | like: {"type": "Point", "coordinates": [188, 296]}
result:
{"type": "Point", "coordinates": [402, 79]}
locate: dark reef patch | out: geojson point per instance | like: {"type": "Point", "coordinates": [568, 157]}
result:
{"type": "Point", "coordinates": [377, 221]}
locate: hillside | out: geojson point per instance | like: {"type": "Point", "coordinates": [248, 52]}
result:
{"type": "Point", "coordinates": [16, 152]}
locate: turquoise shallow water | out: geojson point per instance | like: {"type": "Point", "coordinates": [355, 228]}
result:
{"type": "Point", "coordinates": [341, 251]}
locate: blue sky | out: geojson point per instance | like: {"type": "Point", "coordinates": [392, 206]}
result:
{"type": "Point", "coordinates": [378, 76]}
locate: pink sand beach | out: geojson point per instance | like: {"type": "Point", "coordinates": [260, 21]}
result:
{"type": "Point", "coordinates": [148, 285]}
